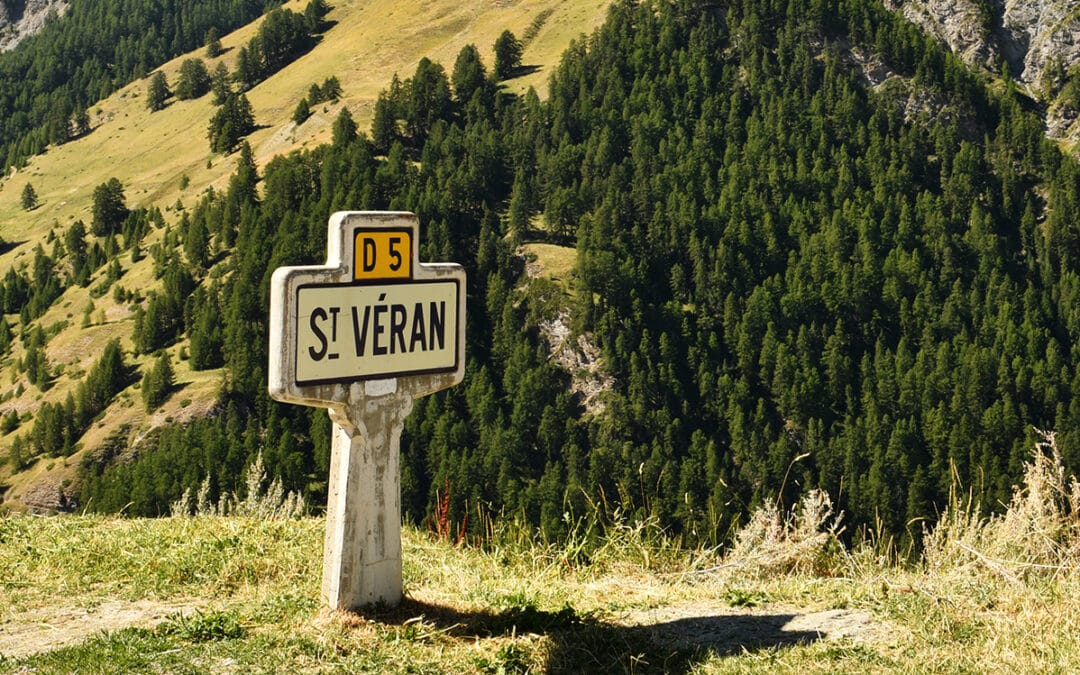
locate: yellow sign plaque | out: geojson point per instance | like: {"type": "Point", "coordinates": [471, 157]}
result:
{"type": "Point", "coordinates": [382, 254]}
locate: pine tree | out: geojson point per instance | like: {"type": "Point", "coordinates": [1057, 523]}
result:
{"type": "Point", "coordinates": [330, 90]}
{"type": "Point", "coordinates": [157, 91]}
{"type": "Point", "coordinates": [469, 74]}
{"type": "Point", "coordinates": [29, 197]}
{"type": "Point", "coordinates": [219, 84]}
{"type": "Point", "coordinates": [81, 122]}
{"type": "Point", "coordinates": [213, 43]}
{"type": "Point", "coordinates": [384, 124]}
{"type": "Point", "coordinates": [157, 383]}
{"type": "Point", "coordinates": [230, 123]}
{"type": "Point", "coordinates": [344, 128]}
{"type": "Point", "coordinates": [302, 112]}
{"type": "Point", "coordinates": [109, 209]}
{"type": "Point", "coordinates": [193, 81]}
{"type": "Point", "coordinates": [429, 99]}
{"type": "Point", "coordinates": [508, 50]}
{"type": "Point", "coordinates": [6, 336]}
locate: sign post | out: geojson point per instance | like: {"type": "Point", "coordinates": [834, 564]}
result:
{"type": "Point", "coordinates": [364, 335]}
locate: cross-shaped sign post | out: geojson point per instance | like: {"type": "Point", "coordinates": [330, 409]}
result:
{"type": "Point", "coordinates": [364, 335]}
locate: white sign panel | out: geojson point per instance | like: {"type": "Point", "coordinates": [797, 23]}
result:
{"type": "Point", "coordinates": [364, 331]}
{"type": "Point", "coordinates": [373, 313]}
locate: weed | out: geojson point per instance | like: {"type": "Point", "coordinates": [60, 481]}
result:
{"type": "Point", "coordinates": [262, 502]}
{"type": "Point", "coordinates": [511, 658]}
{"type": "Point", "coordinates": [440, 524]}
{"type": "Point", "coordinates": [738, 597]}
{"type": "Point", "coordinates": [199, 627]}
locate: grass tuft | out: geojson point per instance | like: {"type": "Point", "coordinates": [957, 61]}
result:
{"type": "Point", "coordinates": [805, 541]}
{"type": "Point", "coordinates": [1037, 535]}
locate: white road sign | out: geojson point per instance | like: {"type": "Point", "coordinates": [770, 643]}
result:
{"type": "Point", "coordinates": [378, 330]}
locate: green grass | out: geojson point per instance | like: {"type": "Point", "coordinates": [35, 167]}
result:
{"type": "Point", "coordinates": [555, 262]}
{"type": "Point", "coordinates": [242, 595]}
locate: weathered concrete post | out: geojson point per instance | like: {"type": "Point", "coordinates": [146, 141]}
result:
{"type": "Point", "coordinates": [363, 336]}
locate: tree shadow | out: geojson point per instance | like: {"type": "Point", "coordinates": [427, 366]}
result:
{"type": "Point", "coordinates": [6, 246]}
{"type": "Point", "coordinates": [584, 643]}
{"type": "Point", "coordinates": [522, 71]}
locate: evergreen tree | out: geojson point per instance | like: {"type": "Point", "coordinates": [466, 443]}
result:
{"type": "Point", "coordinates": [213, 43]}
{"type": "Point", "coordinates": [469, 74]}
{"type": "Point", "coordinates": [6, 336]}
{"type": "Point", "coordinates": [78, 253]}
{"type": "Point", "coordinates": [314, 12]}
{"type": "Point", "coordinates": [508, 51]}
{"type": "Point", "coordinates": [330, 89]}
{"type": "Point", "coordinates": [233, 120]}
{"type": "Point", "coordinates": [80, 122]}
{"type": "Point", "coordinates": [29, 197]}
{"type": "Point", "coordinates": [157, 91]}
{"type": "Point", "coordinates": [384, 124]}
{"type": "Point", "coordinates": [219, 84]}
{"type": "Point", "coordinates": [345, 129]}
{"type": "Point", "coordinates": [429, 99]}
{"type": "Point", "coordinates": [193, 80]}
{"type": "Point", "coordinates": [109, 208]}
{"type": "Point", "coordinates": [157, 382]}
{"type": "Point", "coordinates": [302, 112]}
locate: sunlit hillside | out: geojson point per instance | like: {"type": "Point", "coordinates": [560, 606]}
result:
{"type": "Point", "coordinates": [163, 159]}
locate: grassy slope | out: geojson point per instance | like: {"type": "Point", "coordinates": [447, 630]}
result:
{"type": "Point", "coordinates": [243, 595]}
{"type": "Point", "coordinates": [151, 153]}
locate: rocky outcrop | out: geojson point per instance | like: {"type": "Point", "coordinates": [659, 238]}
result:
{"type": "Point", "coordinates": [1046, 29]}
{"type": "Point", "coordinates": [20, 18]}
{"type": "Point", "coordinates": [1038, 39]}
{"type": "Point", "coordinates": [963, 25]}
{"type": "Point", "coordinates": [1027, 34]}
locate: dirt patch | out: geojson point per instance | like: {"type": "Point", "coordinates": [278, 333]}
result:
{"type": "Point", "coordinates": [730, 630]}
{"type": "Point", "coordinates": [35, 631]}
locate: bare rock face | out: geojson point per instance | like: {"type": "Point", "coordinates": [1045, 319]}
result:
{"type": "Point", "coordinates": [963, 25]}
{"type": "Point", "coordinates": [1047, 29]}
{"type": "Point", "coordinates": [1027, 34]}
{"type": "Point", "coordinates": [21, 18]}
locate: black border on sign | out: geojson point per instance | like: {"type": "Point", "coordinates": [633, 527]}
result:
{"type": "Point", "coordinates": [413, 256]}
{"type": "Point", "coordinates": [377, 376]}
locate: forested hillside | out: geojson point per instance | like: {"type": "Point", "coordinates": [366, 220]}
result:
{"type": "Point", "coordinates": [48, 83]}
{"type": "Point", "coordinates": [812, 247]}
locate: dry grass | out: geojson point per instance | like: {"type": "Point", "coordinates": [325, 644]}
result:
{"type": "Point", "coordinates": [804, 542]}
{"type": "Point", "coordinates": [1038, 535]}
{"type": "Point", "coordinates": [785, 598]}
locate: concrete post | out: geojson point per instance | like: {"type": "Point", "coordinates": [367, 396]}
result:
{"type": "Point", "coordinates": [365, 335]}
{"type": "Point", "coordinates": [362, 549]}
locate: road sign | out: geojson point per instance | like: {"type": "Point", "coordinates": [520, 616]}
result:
{"type": "Point", "coordinates": [364, 335]}
{"type": "Point", "coordinates": [373, 312]}
{"type": "Point", "coordinates": [355, 331]}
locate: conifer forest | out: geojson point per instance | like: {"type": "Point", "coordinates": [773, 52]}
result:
{"type": "Point", "coordinates": [794, 278]}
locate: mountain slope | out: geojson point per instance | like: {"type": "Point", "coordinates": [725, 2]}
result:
{"type": "Point", "coordinates": [163, 158]}
{"type": "Point", "coordinates": [813, 249]}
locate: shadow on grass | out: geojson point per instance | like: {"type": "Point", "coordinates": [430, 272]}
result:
{"type": "Point", "coordinates": [6, 246]}
{"type": "Point", "coordinates": [584, 643]}
{"type": "Point", "coordinates": [522, 71]}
